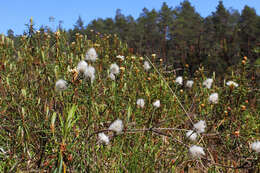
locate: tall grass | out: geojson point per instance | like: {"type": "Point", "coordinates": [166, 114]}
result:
{"type": "Point", "coordinates": [57, 131]}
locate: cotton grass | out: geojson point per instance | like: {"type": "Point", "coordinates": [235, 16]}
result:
{"type": "Point", "coordinates": [255, 146]}
{"type": "Point", "coordinates": [200, 126]}
{"type": "Point", "coordinates": [117, 126]}
{"type": "Point", "coordinates": [91, 55]}
{"type": "Point", "coordinates": [208, 83]}
{"type": "Point", "coordinates": [213, 98]}
{"type": "Point", "coordinates": [157, 104]}
{"type": "Point", "coordinates": [82, 66]}
{"type": "Point", "coordinates": [140, 103]}
{"type": "Point", "coordinates": [103, 138]}
{"type": "Point", "coordinates": [90, 73]}
{"type": "Point", "coordinates": [196, 151]}
{"type": "Point", "coordinates": [189, 83]}
{"type": "Point", "coordinates": [61, 85]}
{"type": "Point", "coordinates": [147, 66]}
{"type": "Point", "coordinates": [191, 135]}
{"type": "Point", "coordinates": [179, 80]}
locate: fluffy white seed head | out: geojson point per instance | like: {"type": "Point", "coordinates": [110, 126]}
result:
{"type": "Point", "coordinates": [200, 126]}
{"type": "Point", "coordinates": [120, 57]}
{"type": "Point", "coordinates": [147, 66]}
{"type": "Point", "coordinates": [140, 103]}
{"type": "Point", "coordinates": [61, 85]}
{"type": "Point", "coordinates": [189, 83]}
{"type": "Point", "coordinates": [208, 83]}
{"type": "Point", "coordinates": [117, 126]}
{"type": "Point", "coordinates": [91, 55]}
{"type": "Point", "coordinates": [112, 76]}
{"type": "Point", "coordinates": [103, 138]}
{"type": "Point", "coordinates": [157, 104]}
{"type": "Point", "coordinates": [255, 146]}
{"type": "Point", "coordinates": [232, 83]}
{"type": "Point", "coordinates": [213, 98]}
{"type": "Point", "coordinates": [196, 151]}
{"type": "Point", "coordinates": [114, 69]}
{"type": "Point", "coordinates": [81, 67]}
{"type": "Point", "coordinates": [191, 135]}
{"type": "Point", "coordinates": [179, 80]}
{"type": "Point", "coordinates": [90, 73]}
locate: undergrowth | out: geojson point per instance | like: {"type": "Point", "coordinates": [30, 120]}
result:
{"type": "Point", "coordinates": [43, 128]}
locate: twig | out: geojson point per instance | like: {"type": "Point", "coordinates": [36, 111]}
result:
{"type": "Point", "coordinates": [170, 89]}
{"type": "Point", "coordinates": [149, 129]}
{"type": "Point", "coordinates": [97, 132]}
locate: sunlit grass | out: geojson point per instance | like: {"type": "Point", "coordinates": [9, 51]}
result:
{"type": "Point", "coordinates": [43, 128]}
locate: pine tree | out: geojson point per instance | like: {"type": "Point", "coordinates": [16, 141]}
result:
{"type": "Point", "coordinates": [165, 23]}
{"type": "Point", "coordinates": [249, 30]}
{"type": "Point", "coordinates": [185, 33]}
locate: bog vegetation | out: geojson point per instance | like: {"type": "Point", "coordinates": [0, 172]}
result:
{"type": "Point", "coordinates": [93, 105]}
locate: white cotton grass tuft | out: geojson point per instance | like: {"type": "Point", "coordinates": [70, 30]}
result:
{"type": "Point", "coordinates": [179, 80]}
{"type": "Point", "coordinates": [213, 98]}
{"type": "Point", "coordinates": [196, 151]}
{"type": "Point", "coordinates": [200, 126]}
{"type": "Point", "coordinates": [189, 83]}
{"type": "Point", "coordinates": [157, 104]}
{"type": "Point", "coordinates": [147, 66]}
{"type": "Point", "coordinates": [255, 146]}
{"type": "Point", "coordinates": [91, 55]}
{"type": "Point", "coordinates": [90, 73]}
{"type": "Point", "coordinates": [81, 67]}
{"type": "Point", "coordinates": [120, 57]}
{"type": "Point", "coordinates": [103, 138]}
{"type": "Point", "coordinates": [191, 135]}
{"type": "Point", "coordinates": [117, 126]}
{"type": "Point", "coordinates": [232, 83]}
{"type": "Point", "coordinates": [140, 103]}
{"type": "Point", "coordinates": [208, 83]}
{"type": "Point", "coordinates": [112, 76]}
{"type": "Point", "coordinates": [114, 69]}
{"type": "Point", "coordinates": [61, 85]}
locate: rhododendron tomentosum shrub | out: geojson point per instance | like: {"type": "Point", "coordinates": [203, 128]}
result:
{"type": "Point", "coordinates": [61, 85]}
{"type": "Point", "coordinates": [196, 151]}
{"type": "Point", "coordinates": [120, 57]}
{"type": "Point", "coordinates": [213, 98]}
{"type": "Point", "coordinates": [179, 80]}
{"type": "Point", "coordinates": [232, 84]}
{"type": "Point", "coordinates": [117, 126]}
{"type": "Point", "coordinates": [255, 146]}
{"type": "Point", "coordinates": [147, 66]}
{"type": "Point", "coordinates": [140, 103]}
{"type": "Point", "coordinates": [91, 55]}
{"type": "Point", "coordinates": [189, 83]}
{"type": "Point", "coordinates": [191, 135]}
{"type": "Point", "coordinates": [103, 138]}
{"type": "Point", "coordinates": [200, 126]}
{"type": "Point", "coordinates": [90, 73]}
{"type": "Point", "coordinates": [157, 103]}
{"type": "Point", "coordinates": [82, 66]}
{"type": "Point", "coordinates": [208, 83]}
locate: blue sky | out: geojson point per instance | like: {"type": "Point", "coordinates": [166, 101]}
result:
{"type": "Point", "coordinates": [15, 14]}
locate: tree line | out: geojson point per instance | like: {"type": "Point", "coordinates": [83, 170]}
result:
{"type": "Point", "coordinates": [181, 35]}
